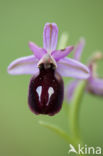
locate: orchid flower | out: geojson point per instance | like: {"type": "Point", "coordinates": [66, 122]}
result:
{"type": "Point", "coordinates": [94, 83]}
{"type": "Point", "coordinates": [47, 65]}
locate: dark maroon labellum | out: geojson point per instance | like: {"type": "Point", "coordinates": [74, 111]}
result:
{"type": "Point", "coordinates": [46, 92]}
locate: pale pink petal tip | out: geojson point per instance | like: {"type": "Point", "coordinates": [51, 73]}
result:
{"type": "Point", "coordinates": [79, 49]}
{"type": "Point", "coordinates": [95, 86]}
{"type": "Point", "coordinates": [37, 51]}
{"type": "Point", "coordinates": [69, 91]}
{"type": "Point", "coordinates": [50, 37]}
{"type": "Point", "coordinates": [59, 54]}
{"type": "Point", "coordinates": [71, 68]}
{"type": "Point", "coordinates": [23, 65]}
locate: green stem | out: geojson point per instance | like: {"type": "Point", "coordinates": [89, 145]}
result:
{"type": "Point", "coordinates": [75, 110]}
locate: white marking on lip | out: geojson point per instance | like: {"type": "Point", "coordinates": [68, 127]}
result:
{"type": "Point", "coordinates": [39, 91]}
{"type": "Point", "coordinates": [50, 92]}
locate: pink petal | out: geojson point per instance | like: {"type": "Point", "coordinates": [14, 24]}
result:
{"type": "Point", "coordinates": [95, 86]}
{"type": "Point", "coordinates": [70, 88]}
{"type": "Point", "coordinates": [38, 52]}
{"type": "Point", "coordinates": [23, 65]}
{"type": "Point", "coordinates": [79, 49]}
{"type": "Point", "coordinates": [59, 54]}
{"type": "Point", "coordinates": [50, 36]}
{"type": "Point", "coordinates": [71, 68]}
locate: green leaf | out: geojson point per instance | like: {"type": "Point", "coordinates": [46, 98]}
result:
{"type": "Point", "coordinates": [57, 130]}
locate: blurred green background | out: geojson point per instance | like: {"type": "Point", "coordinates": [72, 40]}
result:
{"type": "Point", "coordinates": [22, 21]}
